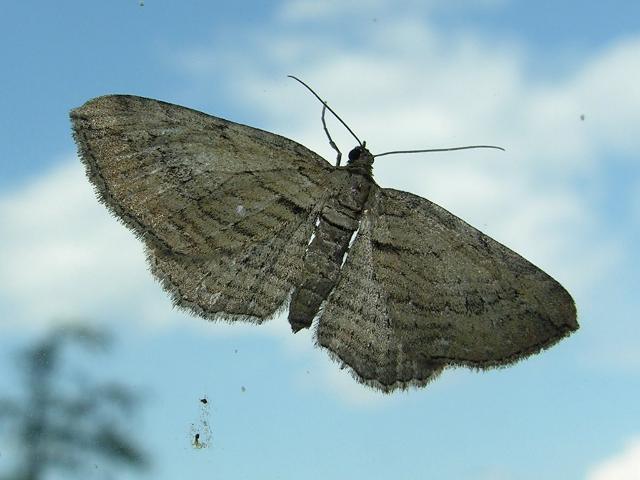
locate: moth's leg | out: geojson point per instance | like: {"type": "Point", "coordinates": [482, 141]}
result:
{"type": "Point", "coordinates": [331, 142]}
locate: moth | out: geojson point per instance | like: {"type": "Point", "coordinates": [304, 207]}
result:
{"type": "Point", "coordinates": [240, 223]}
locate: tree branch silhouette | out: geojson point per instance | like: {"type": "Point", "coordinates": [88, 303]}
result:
{"type": "Point", "coordinates": [68, 431]}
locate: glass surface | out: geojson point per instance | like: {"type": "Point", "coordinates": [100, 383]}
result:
{"type": "Point", "coordinates": [100, 377]}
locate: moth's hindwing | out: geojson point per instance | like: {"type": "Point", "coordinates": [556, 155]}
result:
{"type": "Point", "coordinates": [422, 289]}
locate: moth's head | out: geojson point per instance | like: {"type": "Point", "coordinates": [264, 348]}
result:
{"type": "Point", "coordinates": [360, 156]}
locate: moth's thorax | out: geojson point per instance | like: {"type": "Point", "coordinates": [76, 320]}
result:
{"type": "Point", "coordinates": [360, 160]}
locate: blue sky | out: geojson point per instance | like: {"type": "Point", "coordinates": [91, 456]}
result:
{"type": "Point", "coordinates": [403, 74]}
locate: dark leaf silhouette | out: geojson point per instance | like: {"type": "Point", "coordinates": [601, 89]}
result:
{"type": "Point", "coordinates": [58, 430]}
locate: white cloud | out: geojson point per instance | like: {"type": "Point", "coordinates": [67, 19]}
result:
{"type": "Point", "coordinates": [496, 473]}
{"type": "Point", "coordinates": [65, 256]}
{"type": "Point", "coordinates": [624, 465]}
{"type": "Point", "coordinates": [299, 10]}
{"type": "Point", "coordinates": [306, 9]}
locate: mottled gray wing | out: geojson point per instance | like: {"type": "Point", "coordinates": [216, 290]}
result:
{"type": "Point", "coordinates": [225, 210]}
{"type": "Point", "coordinates": [421, 289]}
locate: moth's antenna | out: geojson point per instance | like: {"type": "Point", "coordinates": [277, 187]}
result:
{"type": "Point", "coordinates": [438, 150]}
{"type": "Point", "coordinates": [328, 108]}
{"type": "Point", "coordinates": [331, 142]}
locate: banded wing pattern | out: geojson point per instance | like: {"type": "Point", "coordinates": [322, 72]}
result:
{"type": "Point", "coordinates": [422, 289]}
{"type": "Point", "coordinates": [224, 209]}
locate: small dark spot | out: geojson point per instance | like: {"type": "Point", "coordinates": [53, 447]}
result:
{"type": "Point", "coordinates": [243, 389]}
{"type": "Point", "coordinates": [475, 304]}
{"type": "Point", "coordinates": [204, 400]}
{"type": "Point", "coordinates": [197, 438]}
{"type": "Point", "coordinates": [582, 117]}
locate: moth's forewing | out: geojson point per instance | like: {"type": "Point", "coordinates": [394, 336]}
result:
{"type": "Point", "coordinates": [224, 209]}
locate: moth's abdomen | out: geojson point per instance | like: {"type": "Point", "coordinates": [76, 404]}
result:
{"type": "Point", "coordinates": [337, 223]}
{"type": "Point", "coordinates": [322, 268]}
